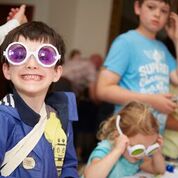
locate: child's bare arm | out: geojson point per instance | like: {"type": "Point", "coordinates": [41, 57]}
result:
{"type": "Point", "coordinates": [100, 168]}
{"type": "Point", "coordinates": [172, 28]}
{"type": "Point", "coordinates": [156, 163]}
{"type": "Point", "coordinates": [172, 31]}
{"type": "Point", "coordinates": [18, 14]}
{"type": "Point", "coordinates": [109, 90]}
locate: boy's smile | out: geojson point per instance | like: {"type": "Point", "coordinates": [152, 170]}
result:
{"type": "Point", "coordinates": [30, 78]}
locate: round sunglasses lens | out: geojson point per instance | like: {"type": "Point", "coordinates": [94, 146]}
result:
{"type": "Point", "coordinates": [137, 152]}
{"type": "Point", "coordinates": [16, 53]}
{"type": "Point", "coordinates": [152, 152]}
{"type": "Point", "coordinates": [47, 55]}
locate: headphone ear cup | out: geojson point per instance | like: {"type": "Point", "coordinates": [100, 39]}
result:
{"type": "Point", "coordinates": [151, 149]}
{"type": "Point", "coordinates": [136, 150]}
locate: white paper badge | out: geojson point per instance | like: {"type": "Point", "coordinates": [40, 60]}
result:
{"type": "Point", "coordinates": [28, 163]}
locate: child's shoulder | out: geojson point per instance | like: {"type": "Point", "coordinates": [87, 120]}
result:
{"type": "Point", "coordinates": [8, 111]}
{"type": "Point", "coordinates": [104, 144]}
{"type": "Point", "coordinates": [9, 117]}
{"type": "Point", "coordinates": [65, 105]}
{"type": "Point", "coordinates": [126, 34]}
{"type": "Point", "coordinates": [7, 105]}
{"type": "Point", "coordinates": [65, 101]}
{"type": "Point", "coordinates": [127, 37]}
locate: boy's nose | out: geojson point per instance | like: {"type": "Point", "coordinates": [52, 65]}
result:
{"type": "Point", "coordinates": [32, 62]}
{"type": "Point", "coordinates": [157, 12]}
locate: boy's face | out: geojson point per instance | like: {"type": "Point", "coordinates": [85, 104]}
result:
{"type": "Point", "coordinates": [153, 15]}
{"type": "Point", "coordinates": [31, 78]}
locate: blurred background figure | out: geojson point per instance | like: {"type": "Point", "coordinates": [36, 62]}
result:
{"type": "Point", "coordinates": [104, 109]}
{"type": "Point", "coordinates": [170, 147]}
{"type": "Point", "coordinates": [75, 54]}
{"type": "Point", "coordinates": [81, 72]}
{"type": "Point", "coordinates": [97, 60]}
{"type": "Point", "coordinates": [79, 75]}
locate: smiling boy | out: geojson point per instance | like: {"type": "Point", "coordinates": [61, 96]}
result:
{"type": "Point", "coordinates": [32, 56]}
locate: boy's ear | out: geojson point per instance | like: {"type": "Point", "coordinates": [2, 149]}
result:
{"type": "Point", "coordinates": [58, 73]}
{"type": "Point", "coordinates": [137, 7]}
{"type": "Point", "coordinates": [6, 71]}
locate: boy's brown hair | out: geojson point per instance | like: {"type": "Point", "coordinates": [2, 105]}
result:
{"type": "Point", "coordinates": [136, 117]}
{"type": "Point", "coordinates": [35, 31]}
{"type": "Point", "coordinates": [169, 2]}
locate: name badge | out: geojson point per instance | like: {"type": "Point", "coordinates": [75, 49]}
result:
{"type": "Point", "coordinates": [28, 163]}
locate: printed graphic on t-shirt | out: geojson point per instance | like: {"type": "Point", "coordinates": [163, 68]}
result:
{"type": "Point", "coordinates": [154, 75]}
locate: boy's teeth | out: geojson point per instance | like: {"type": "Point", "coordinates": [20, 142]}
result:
{"type": "Point", "coordinates": [33, 77]}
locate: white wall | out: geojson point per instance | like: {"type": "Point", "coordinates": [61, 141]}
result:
{"type": "Point", "coordinates": [62, 17]}
{"type": "Point", "coordinates": [83, 24]}
{"type": "Point", "coordinates": [92, 26]}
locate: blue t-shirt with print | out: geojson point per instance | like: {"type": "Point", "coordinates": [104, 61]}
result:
{"type": "Point", "coordinates": [143, 64]}
{"type": "Point", "coordinates": [122, 167]}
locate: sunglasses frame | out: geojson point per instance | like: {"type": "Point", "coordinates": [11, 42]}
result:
{"type": "Point", "coordinates": [132, 149]}
{"type": "Point", "coordinates": [34, 53]}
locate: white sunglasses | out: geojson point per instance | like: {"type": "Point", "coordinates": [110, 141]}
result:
{"type": "Point", "coordinates": [138, 150]}
{"type": "Point", "coordinates": [46, 55]}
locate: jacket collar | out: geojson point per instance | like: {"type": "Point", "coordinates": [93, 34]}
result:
{"type": "Point", "coordinates": [27, 115]}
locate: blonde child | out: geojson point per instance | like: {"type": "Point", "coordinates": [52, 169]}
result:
{"type": "Point", "coordinates": [129, 142]}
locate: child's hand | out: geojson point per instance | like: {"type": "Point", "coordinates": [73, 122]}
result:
{"type": "Point", "coordinates": [162, 102]}
{"type": "Point", "coordinates": [121, 143]}
{"type": "Point", "coordinates": [18, 14]}
{"type": "Point", "coordinates": [172, 27]}
{"type": "Point", "coordinates": [160, 140]}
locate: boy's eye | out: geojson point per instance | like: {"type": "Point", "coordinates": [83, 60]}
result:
{"type": "Point", "coordinates": [151, 7]}
{"type": "Point", "coordinates": [164, 11]}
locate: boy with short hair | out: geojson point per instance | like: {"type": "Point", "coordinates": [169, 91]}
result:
{"type": "Point", "coordinates": [139, 67]}
{"type": "Point", "coordinates": [32, 56]}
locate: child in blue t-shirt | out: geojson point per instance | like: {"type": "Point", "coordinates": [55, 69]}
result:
{"type": "Point", "coordinates": [140, 67]}
{"type": "Point", "coordinates": [128, 142]}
